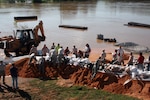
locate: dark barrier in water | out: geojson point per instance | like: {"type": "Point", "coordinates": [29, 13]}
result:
{"type": "Point", "coordinates": [24, 18]}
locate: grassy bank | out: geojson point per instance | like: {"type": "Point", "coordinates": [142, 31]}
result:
{"type": "Point", "coordinates": [48, 90]}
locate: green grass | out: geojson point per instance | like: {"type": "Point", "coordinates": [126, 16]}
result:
{"type": "Point", "coordinates": [49, 90]}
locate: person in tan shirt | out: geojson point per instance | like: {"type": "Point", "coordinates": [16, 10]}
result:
{"type": "Point", "coordinates": [130, 60]}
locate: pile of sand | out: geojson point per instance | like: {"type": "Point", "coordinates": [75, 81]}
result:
{"type": "Point", "coordinates": [82, 76]}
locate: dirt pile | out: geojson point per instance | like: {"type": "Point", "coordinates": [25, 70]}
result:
{"type": "Point", "coordinates": [24, 70]}
{"type": "Point", "coordinates": [32, 71]}
{"type": "Point", "coordinates": [82, 76]}
{"type": "Point", "coordinates": [111, 83]}
{"type": "Point", "coordinates": [135, 88]}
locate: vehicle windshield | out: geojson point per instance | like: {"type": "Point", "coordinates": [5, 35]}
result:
{"type": "Point", "coordinates": [24, 33]}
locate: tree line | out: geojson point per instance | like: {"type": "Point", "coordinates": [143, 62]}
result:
{"type": "Point", "coordinates": [22, 1]}
{"type": "Point", "coordinates": [44, 1]}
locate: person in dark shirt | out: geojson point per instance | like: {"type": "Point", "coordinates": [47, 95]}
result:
{"type": "Point", "coordinates": [42, 66]}
{"type": "Point", "coordinates": [2, 71]}
{"type": "Point", "coordinates": [148, 63]}
{"type": "Point", "coordinates": [66, 51]}
{"type": "Point", "coordinates": [141, 61]}
{"type": "Point", "coordinates": [14, 75]}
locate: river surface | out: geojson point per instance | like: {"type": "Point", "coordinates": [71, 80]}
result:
{"type": "Point", "coordinates": [101, 17]}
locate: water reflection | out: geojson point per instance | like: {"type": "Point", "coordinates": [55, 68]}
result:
{"type": "Point", "coordinates": [74, 9]}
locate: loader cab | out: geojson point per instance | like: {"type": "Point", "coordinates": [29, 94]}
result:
{"type": "Point", "coordinates": [24, 34]}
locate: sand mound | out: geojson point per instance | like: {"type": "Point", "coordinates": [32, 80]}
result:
{"type": "Point", "coordinates": [24, 70]}
{"type": "Point", "coordinates": [82, 76]}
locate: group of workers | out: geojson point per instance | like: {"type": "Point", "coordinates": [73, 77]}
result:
{"type": "Point", "coordinates": [118, 58]}
{"type": "Point", "coordinates": [56, 54]}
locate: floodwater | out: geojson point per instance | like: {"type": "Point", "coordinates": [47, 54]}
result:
{"type": "Point", "coordinates": [101, 17]}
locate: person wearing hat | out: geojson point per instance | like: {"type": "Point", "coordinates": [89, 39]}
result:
{"type": "Point", "coordinates": [2, 71]}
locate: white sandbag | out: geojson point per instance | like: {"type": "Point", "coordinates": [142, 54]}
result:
{"type": "Point", "coordinates": [85, 60]}
{"type": "Point", "coordinates": [38, 58]}
{"type": "Point", "coordinates": [47, 57]}
{"type": "Point", "coordinates": [134, 71]}
{"type": "Point", "coordinates": [32, 55]}
{"type": "Point", "coordinates": [76, 63]}
{"type": "Point", "coordinates": [73, 56]}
